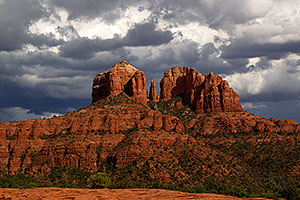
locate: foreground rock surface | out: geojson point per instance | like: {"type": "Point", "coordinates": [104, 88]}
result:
{"type": "Point", "coordinates": [106, 194]}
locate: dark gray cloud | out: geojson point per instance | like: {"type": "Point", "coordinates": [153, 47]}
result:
{"type": "Point", "coordinates": [40, 108]}
{"type": "Point", "coordinates": [244, 49]}
{"type": "Point", "coordinates": [187, 53]}
{"type": "Point", "coordinates": [147, 35]}
{"type": "Point", "coordinates": [41, 40]}
{"type": "Point", "coordinates": [216, 13]}
{"type": "Point", "coordinates": [13, 25]}
{"type": "Point", "coordinates": [19, 113]}
{"type": "Point", "coordinates": [211, 62]}
{"type": "Point", "coordinates": [15, 18]}
{"type": "Point", "coordinates": [272, 96]}
{"type": "Point", "coordinates": [182, 53]}
{"type": "Point", "coordinates": [140, 35]}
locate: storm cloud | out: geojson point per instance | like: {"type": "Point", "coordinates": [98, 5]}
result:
{"type": "Point", "coordinates": [50, 50]}
{"type": "Point", "coordinates": [140, 35]}
{"type": "Point", "coordinates": [242, 49]}
{"type": "Point", "coordinates": [15, 18]}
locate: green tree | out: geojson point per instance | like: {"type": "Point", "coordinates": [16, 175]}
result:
{"type": "Point", "coordinates": [99, 180]}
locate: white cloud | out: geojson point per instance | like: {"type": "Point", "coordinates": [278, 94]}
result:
{"type": "Point", "coordinates": [98, 28]}
{"type": "Point", "coordinates": [52, 25]}
{"type": "Point", "coordinates": [253, 106]}
{"type": "Point", "coordinates": [246, 84]}
{"type": "Point", "coordinates": [258, 8]}
{"type": "Point", "coordinates": [253, 61]}
{"type": "Point", "coordinates": [19, 113]}
{"type": "Point", "coordinates": [93, 28]}
{"type": "Point", "coordinates": [201, 34]}
{"type": "Point", "coordinates": [280, 24]}
{"type": "Point", "coordinates": [281, 78]}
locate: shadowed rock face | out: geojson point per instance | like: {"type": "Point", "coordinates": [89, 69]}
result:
{"type": "Point", "coordinates": [122, 77]}
{"type": "Point", "coordinates": [203, 93]}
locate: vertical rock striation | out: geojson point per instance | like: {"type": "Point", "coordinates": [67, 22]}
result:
{"type": "Point", "coordinates": [122, 77]}
{"type": "Point", "coordinates": [203, 93]}
{"type": "Point", "coordinates": [153, 96]}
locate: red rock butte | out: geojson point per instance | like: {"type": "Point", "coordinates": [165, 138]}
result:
{"type": "Point", "coordinates": [122, 77]}
{"type": "Point", "coordinates": [202, 93]}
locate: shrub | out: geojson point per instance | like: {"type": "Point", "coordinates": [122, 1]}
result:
{"type": "Point", "coordinates": [32, 185]}
{"type": "Point", "coordinates": [99, 180]}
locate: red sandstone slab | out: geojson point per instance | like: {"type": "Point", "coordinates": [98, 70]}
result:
{"type": "Point", "coordinates": [107, 194]}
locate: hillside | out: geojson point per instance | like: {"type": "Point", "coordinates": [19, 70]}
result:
{"type": "Point", "coordinates": [196, 138]}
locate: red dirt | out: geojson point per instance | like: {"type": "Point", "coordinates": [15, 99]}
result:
{"type": "Point", "coordinates": [107, 194]}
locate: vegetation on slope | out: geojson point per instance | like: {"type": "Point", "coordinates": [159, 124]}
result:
{"type": "Point", "coordinates": [239, 164]}
{"type": "Point", "coordinates": [184, 113]}
{"type": "Point", "coordinates": [260, 165]}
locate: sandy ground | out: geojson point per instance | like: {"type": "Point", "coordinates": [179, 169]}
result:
{"type": "Point", "coordinates": [105, 194]}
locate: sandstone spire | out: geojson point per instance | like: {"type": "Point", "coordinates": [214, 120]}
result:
{"type": "Point", "coordinates": [153, 96]}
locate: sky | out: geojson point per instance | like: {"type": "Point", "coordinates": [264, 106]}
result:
{"type": "Point", "coordinates": [50, 50]}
